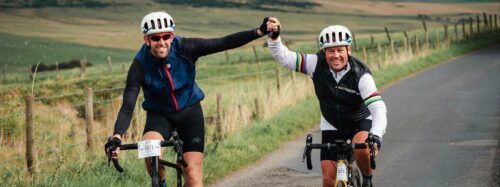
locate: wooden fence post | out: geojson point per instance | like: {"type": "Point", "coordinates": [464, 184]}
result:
{"type": "Point", "coordinates": [31, 156]}
{"type": "Point", "coordinates": [388, 35]}
{"type": "Point", "coordinates": [405, 46]}
{"type": "Point", "coordinates": [491, 22]}
{"type": "Point", "coordinates": [445, 32]}
{"type": "Point", "coordinates": [242, 116]}
{"type": "Point", "coordinates": [436, 40]}
{"type": "Point", "coordinates": [464, 34]}
{"type": "Point", "coordinates": [89, 115]}
{"type": "Point", "coordinates": [3, 72]}
{"type": "Point", "coordinates": [386, 56]}
{"type": "Point", "coordinates": [364, 54]}
{"type": "Point", "coordinates": [417, 47]}
{"type": "Point", "coordinates": [471, 21]}
{"type": "Point", "coordinates": [393, 52]}
{"type": "Point", "coordinates": [354, 40]}
{"type": "Point", "coordinates": [109, 65]}
{"type": "Point", "coordinates": [258, 110]}
{"type": "Point", "coordinates": [478, 23]}
{"type": "Point", "coordinates": [218, 119]}
{"type": "Point", "coordinates": [83, 65]}
{"type": "Point", "coordinates": [427, 44]}
{"type": "Point", "coordinates": [456, 31]}
{"type": "Point", "coordinates": [406, 40]}
{"type": "Point", "coordinates": [278, 79]}
{"type": "Point", "coordinates": [379, 51]}
{"type": "Point", "coordinates": [255, 53]}
{"type": "Point", "coordinates": [372, 41]}
{"type": "Point", "coordinates": [485, 18]}
{"type": "Point", "coordinates": [57, 68]}
{"type": "Point", "coordinates": [496, 22]}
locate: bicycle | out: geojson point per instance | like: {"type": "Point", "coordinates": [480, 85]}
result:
{"type": "Point", "coordinates": [348, 175]}
{"type": "Point", "coordinates": [152, 149]}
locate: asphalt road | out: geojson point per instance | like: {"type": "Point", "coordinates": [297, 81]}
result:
{"type": "Point", "coordinates": [443, 130]}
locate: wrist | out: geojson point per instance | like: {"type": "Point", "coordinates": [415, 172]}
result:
{"type": "Point", "coordinates": [117, 136]}
{"type": "Point", "coordinates": [258, 32]}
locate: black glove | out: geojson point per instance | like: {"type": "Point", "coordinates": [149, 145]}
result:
{"type": "Point", "coordinates": [113, 143]}
{"type": "Point", "coordinates": [375, 139]}
{"type": "Point", "coordinates": [275, 34]}
{"type": "Point", "coordinates": [263, 26]}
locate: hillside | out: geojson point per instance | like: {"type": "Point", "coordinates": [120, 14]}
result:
{"type": "Point", "coordinates": [118, 26]}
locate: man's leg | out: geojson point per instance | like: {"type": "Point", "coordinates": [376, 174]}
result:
{"type": "Point", "coordinates": [328, 157]}
{"type": "Point", "coordinates": [363, 156]}
{"type": "Point", "coordinates": [329, 168]}
{"type": "Point", "coordinates": [193, 173]}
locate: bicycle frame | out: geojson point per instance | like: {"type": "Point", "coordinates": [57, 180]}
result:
{"type": "Point", "coordinates": [346, 175]}
{"type": "Point", "coordinates": [156, 162]}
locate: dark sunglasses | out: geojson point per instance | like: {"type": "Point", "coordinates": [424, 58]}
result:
{"type": "Point", "coordinates": [158, 37]}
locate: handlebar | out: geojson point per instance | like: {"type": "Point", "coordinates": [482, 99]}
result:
{"type": "Point", "coordinates": [339, 143]}
{"type": "Point", "coordinates": [176, 143]}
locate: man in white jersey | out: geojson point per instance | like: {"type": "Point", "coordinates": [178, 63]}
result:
{"type": "Point", "coordinates": [351, 107]}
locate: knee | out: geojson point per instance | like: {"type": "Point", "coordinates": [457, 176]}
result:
{"type": "Point", "coordinates": [193, 174]}
{"type": "Point", "coordinates": [362, 154]}
{"type": "Point", "coordinates": [328, 182]}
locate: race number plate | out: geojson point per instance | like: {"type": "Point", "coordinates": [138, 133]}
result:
{"type": "Point", "coordinates": [341, 171]}
{"type": "Point", "coordinates": [149, 148]}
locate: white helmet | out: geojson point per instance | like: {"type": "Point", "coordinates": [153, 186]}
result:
{"type": "Point", "coordinates": [336, 35]}
{"type": "Point", "coordinates": [157, 22]}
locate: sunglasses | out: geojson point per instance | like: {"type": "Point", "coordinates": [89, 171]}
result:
{"type": "Point", "coordinates": [158, 37]}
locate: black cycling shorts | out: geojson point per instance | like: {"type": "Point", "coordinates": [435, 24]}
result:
{"type": "Point", "coordinates": [188, 122]}
{"type": "Point", "coordinates": [330, 135]}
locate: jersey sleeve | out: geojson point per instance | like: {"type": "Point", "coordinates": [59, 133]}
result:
{"type": "Point", "coordinates": [197, 47]}
{"type": "Point", "coordinates": [130, 94]}
{"type": "Point", "coordinates": [375, 104]}
{"type": "Point", "coordinates": [299, 62]}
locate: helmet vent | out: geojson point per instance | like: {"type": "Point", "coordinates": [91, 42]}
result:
{"type": "Point", "coordinates": [153, 24]}
{"type": "Point", "coordinates": [159, 23]}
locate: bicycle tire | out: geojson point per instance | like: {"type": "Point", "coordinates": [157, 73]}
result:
{"type": "Point", "coordinates": [341, 184]}
{"type": "Point", "coordinates": [155, 175]}
{"type": "Point", "coordinates": [356, 177]}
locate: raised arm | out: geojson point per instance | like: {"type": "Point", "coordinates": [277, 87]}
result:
{"type": "Point", "coordinates": [197, 47]}
{"type": "Point", "coordinates": [299, 62]}
{"type": "Point", "coordinates": [375, 104]}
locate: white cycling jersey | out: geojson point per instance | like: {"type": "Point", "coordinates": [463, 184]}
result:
{"type": "Point", "coordinates": [306, 63]}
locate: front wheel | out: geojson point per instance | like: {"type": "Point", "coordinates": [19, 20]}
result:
{"type": "Point", "coordinates": [356, 177]}
{"type": "Point", "coordinates": [341, 184]}
{"type": "Point", "coordinates": [155, 175]}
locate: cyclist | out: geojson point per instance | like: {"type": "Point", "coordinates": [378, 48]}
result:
{"type": "Point", "coordinates": [165, 69]}
{"type": "Point", "coordinates": [350, 104]}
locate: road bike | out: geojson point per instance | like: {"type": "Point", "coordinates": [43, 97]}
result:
{"type": "Point", "coordinates": [348, 174]}
{"type": "Point", "coordinates": [152, 149]}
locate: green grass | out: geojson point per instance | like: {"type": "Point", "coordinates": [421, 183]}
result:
{"type": "Point", "coordinates": [18, 52]}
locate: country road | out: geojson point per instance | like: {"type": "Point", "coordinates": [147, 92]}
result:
{"type": "Point", "coordinates": [443, 130]}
